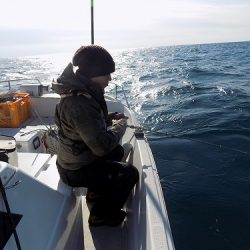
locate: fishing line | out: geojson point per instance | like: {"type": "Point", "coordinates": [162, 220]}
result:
{"type": "Point", "coordinates": [187, 138]}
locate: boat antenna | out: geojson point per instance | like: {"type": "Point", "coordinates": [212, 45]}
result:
{"type": "Point", "coordinates": [92, 20]}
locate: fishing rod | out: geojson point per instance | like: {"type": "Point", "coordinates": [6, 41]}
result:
{"type": "Point", "coordinates": [92, 20]}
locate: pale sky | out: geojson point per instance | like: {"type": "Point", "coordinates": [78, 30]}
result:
{"type": "Point", "coordinates": [34, 27]}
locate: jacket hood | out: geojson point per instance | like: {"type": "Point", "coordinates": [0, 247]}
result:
{"type": "Point", "coordinates": [67, 81]}
{"type": "Point", "coordinates": [70, 81]}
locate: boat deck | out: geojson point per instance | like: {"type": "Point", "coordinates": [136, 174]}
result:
{"type": "Point", "coordinates": [42, 166]}
{"type": "Point", "coordinates": [112, 238]}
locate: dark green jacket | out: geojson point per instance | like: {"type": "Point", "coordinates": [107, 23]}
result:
{"type": "Point", "coordinates": [82, 119]}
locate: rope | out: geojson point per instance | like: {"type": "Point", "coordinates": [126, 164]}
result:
{"type": "Point", "coordinates": [50, 133]}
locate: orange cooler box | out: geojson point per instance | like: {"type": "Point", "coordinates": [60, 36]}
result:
{"type": "Point", "coordinates": [14, 113]}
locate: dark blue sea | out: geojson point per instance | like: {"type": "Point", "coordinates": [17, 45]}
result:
{"type": "Point", "coordinates": [194, 104]}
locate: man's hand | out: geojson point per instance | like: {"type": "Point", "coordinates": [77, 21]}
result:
{"type": "Point", "coordinates": [117, 116]}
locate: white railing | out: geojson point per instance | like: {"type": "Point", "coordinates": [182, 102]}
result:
{"type": "Point", "coordinates": [12, 86]}
{"type": "Point", "coordinates": [11, 81]}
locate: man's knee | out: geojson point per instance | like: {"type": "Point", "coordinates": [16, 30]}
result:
{"type": "Point", "coordinates": [115, 155]}
{"type": "Point", "coordinates": [133, 174]}
{"type": "Point", "coordinates": [118, 152]}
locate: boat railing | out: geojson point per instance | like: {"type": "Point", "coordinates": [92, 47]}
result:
{"type": "Point", "coordinates": [13, 84]}
{"type": "Point", "coordinates": [117, 86]}
{"type": "Point", "coordinates": [10, 82]}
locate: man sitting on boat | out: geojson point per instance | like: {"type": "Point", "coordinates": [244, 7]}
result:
{"type": "Point", "coordinates": [89, 153]}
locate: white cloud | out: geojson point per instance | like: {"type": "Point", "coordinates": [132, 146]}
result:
{"type": "Point", "coordinates": [50, 14]}
{"type": "Point", "coordinates": [130, 23]}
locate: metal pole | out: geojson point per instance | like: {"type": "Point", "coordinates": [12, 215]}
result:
{"type": "Point", "coordinates": [92, 21]}
{"type": "Point", "coordinates": [5, 200]}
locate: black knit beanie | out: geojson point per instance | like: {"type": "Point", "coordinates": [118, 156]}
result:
{"type": "Point", "coordinates": [93, 60]}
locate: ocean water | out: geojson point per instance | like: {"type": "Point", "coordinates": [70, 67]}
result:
{"type": "Point", "coordinates": [194, 104]}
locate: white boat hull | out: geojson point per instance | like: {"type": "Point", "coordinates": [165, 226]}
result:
{"type": "Point", "coordinates": [53, 217]}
